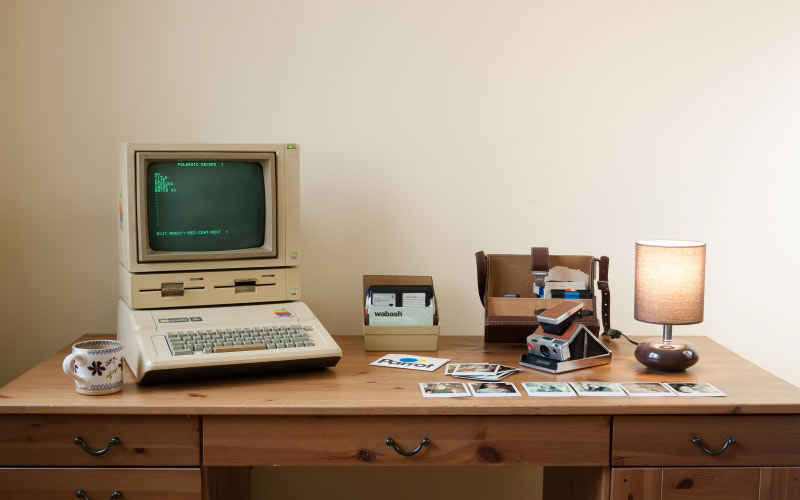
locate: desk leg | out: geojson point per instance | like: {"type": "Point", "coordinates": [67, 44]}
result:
{"type": "Point", "coordinates": [226, 483]}
{"type": "Point", "coordinates": [573, 483]}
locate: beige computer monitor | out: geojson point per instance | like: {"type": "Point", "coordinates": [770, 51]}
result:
{"type": "Point", "coordinates": [152, 277]}
{"type": "Point", "coordinates": [280, 164]}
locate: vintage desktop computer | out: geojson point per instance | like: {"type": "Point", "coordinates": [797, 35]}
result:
{"type": "Point", "coordinates": [209, 262]}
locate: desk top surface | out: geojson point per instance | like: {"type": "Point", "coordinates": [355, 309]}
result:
{"type": "Point", "coordinates": [355, 388]}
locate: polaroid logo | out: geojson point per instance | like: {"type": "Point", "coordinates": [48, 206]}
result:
{"type": "Point", "coordinates": [388, 314]}
{"type": "Point", "coordinates": [419, 363]}
{"type": "Point", "coordinates": [543, 362]}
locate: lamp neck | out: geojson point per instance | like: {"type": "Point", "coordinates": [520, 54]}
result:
{"type": "Point", "coordinates": [667, 333]}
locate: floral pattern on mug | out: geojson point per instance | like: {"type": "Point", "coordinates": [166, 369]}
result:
{"type": "Point", "coordinates": [96, 368]}
{"type": "Point", "coordinates": [114, 369]}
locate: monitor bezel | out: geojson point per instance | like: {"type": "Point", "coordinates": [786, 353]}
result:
{"type": "Point", "coordinates": [268, 250]}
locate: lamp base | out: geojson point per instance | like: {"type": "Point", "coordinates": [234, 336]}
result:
{"type": "Point", "coordinates": [666, 355]}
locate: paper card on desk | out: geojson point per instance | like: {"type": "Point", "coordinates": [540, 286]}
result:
{"type": "Point", "coordinates": [410, 362]}
{"type": "Point", "coordinates": [694, 389]}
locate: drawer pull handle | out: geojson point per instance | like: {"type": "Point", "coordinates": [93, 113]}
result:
{"type": "Point", "coordinates": [424, 442]}
{"type": "Point", "coordinates": [79, 440]}
{"type": "Point", "coordinates": [699, 442]}
{"type": "Point", "coordinates": [82, 494]}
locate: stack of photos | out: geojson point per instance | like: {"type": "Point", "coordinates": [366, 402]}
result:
{"type": "Point", "coordinates": [489, 372]}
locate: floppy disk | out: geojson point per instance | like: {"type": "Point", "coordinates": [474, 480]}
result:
{"type": "Point", "coordinates": [400, 295]}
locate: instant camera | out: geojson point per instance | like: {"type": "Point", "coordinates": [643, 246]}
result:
{"type": "Point", "coordinates": [561, 344]}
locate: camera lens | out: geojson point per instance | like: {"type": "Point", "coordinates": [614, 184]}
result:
{"type": "Point", "coordinates": [545, 351]}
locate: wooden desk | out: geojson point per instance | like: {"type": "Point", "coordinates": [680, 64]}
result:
{"type": "Point", "coordinates": [198, 438]}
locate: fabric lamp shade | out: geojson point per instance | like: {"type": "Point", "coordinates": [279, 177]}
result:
{"type": "Point", "coordinates": [670, 282]}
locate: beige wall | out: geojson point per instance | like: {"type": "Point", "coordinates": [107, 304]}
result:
{"type": "Point", "coordinates": [429, 130]}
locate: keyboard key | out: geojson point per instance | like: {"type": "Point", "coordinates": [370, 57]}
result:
{"type": "Point", "coordinates": [244, 347]}
{"type": "Point", "coordinates": [280, 345]}
{"type": "Point", "coordinates": [208, 350]}
{"type": "Point", "coordinates": [308, 328]}
{"type": "Point", "coordinates": [181, 352]}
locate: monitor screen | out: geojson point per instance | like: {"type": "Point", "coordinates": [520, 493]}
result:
{"type": "Point", "coordinates": [205, 205]}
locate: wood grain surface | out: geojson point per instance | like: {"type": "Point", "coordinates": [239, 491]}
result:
{"type": "Point", "coordinates": [780, 483]}
{"type": "Point", "coordinates": [42, 440]}
{"type": "Point", "coordinates": [667, 440]}
{"type": "Point", "coordinates": [635, 484]}
{"type": "Point", "coordinates": [97, 483]}
{"type": "Point", "coordinates": [454, 440]}
{"type": "Point", "coordinates": [226, 483]}
{"type": "Point", "coordinates": [355, 388]}
{"type": "Point", "coordinates": [710, 484]}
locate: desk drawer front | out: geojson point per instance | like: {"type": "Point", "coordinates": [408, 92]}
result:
{"type": "Point", "coordinates": [454, 440]}
{"type": "Point", "coordinates": [100, 484]}
{"type": "Point", "coordinates": [38, 440]}
{"type": "Point", "coordinates": [667, 440]}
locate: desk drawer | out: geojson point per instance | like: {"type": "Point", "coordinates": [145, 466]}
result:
{"type": "Point", "coordinates": [38, 440]}
{"type": "Point", "coordinates": [667, 440]}
{"type": "Point", "coordinates": [100, 484]}
{"type": "Point", "coordinates": [454, 440]}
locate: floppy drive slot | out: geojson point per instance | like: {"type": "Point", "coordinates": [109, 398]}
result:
{"type": "Point", "coordinates": [245, 285]}
{"type": "Point", "coordinates": [172, 289]}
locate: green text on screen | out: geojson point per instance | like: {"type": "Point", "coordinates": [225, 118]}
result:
{"type": "Point", "coordinates": [205, 205]}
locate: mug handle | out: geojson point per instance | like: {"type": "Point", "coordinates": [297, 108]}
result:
{"type": "Point", "coordinates": [67, 366]}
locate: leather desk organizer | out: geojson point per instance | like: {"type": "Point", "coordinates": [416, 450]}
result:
{"type": "Point", "coordinates": [512, 319]}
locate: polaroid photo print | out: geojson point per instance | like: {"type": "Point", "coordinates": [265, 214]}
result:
{"type": "Point", "coordinates": [597, 389]}
{"type": "Point", "coordinates": [493, 389]}
{"type": "Point", "coordinates": [476, 369]}
{"type": "Point", "coordinates": [694, 389]}
{"type": "Point", "coordinates": [450, 368]}
{"type": "Point", "coordinates": [444, 390]}
{"type": "Point", "coordinates": [548, 389]}
{"type": "Point", "coordinates": [646, 389]}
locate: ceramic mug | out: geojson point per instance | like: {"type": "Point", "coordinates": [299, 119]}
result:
{"type": "Point", "coordinates": [96, 366]}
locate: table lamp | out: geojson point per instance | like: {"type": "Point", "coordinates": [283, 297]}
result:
{"type": "Point", "coordinates": [669, 290]}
